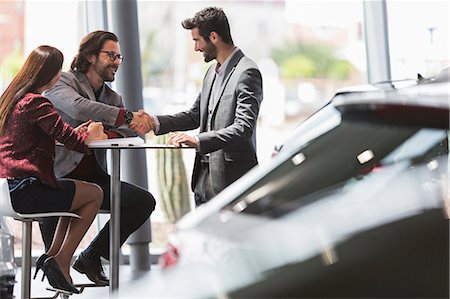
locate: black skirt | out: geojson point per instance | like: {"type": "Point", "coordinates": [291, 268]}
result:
{"type": "Point", "coordinates": [29, 195]}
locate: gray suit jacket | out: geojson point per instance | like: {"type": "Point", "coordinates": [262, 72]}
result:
{"type": "Point", "coordinates": [75, 100]}
{"type": "Point", "coordinates": [231, 141]}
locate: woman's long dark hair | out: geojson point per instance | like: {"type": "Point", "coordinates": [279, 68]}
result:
{"type": "Point", "coordinates": [40, 67]}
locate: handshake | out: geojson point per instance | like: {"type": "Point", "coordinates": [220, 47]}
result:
{"type": "Point", "coordinates": [142, 122]}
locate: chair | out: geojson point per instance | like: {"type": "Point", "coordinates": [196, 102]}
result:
{"type": "Point", "coordinates": [6, 209]}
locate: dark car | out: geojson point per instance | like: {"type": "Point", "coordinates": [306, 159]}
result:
{"type": "Point", "coordinates": [356, 207]}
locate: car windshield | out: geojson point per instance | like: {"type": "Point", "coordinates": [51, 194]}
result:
{"type": "Point", "coordinates": [346, 152]}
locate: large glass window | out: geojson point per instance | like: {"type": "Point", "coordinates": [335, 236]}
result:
{"type": "Point", "coordinates": [418, 37]}
{"type": "Point", "coordinates": [305, 50]}
{"type": "Point", "coordinates": [11, 39]}
{"type": "Point", "coordinates": [26, 24]}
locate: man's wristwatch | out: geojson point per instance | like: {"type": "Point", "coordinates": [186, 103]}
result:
{"type": "Point", "coordinates": [128, 117]}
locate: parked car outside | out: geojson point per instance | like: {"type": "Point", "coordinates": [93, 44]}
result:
{"type": "Point", "coordinates": [356, 207]}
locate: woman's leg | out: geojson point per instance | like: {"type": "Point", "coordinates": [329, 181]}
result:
{"type": "Point", "coordinates": [60, 234]}
{"type": "Point", "coordinates": [86, 203]}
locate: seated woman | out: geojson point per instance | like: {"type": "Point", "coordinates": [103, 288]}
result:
{"type": "Point", "coordinates": [29, 127]}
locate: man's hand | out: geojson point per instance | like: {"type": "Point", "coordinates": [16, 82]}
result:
{"type": "Point", "coordinates": [142, 122]}
{"type": "Point", "coordinates": [95, 132]}
{"type": "Point", "coordinates": [180, 139]}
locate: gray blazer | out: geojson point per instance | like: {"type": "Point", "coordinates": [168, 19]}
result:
{"type": "Point", "coordinates": [75, 100]}
{"type": "Point", "coordinates": [231, 141]}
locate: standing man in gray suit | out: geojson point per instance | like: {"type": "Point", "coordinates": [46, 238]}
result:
{"type": "Point", "coordinates": [226, 109]}
{"type": "Point", "coordinates": [80, 95]}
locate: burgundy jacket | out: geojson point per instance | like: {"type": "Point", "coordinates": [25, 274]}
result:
{"type": "Point", "coordinates": [27, 147]}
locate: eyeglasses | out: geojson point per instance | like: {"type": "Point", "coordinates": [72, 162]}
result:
{"type": "Point", "coordinates": [113, 56]}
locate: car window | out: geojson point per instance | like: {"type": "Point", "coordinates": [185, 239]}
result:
{"type": "Point", "coordinates": [426, 143]}
{"type": "Point", "coordinates": [317, 124]}
{"type": "Point", "coordinates": [344, 154]}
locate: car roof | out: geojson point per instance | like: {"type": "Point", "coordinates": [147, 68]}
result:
{"type": "Point", "coordinates": [377, 86]}
{"type": "Point", "coordinates": [427, 103]}
{"type": "Point", "coordinates": [425, 95]}
{"type": "Point", "coordinates": [422, 105]}
{"type": "Point", "coordinates": [394, 95]}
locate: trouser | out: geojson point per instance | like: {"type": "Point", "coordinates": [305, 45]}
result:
{"type": "Point", "coordinates": [203, 190]}
{"type": "Point", "coordinates": [136, 205]}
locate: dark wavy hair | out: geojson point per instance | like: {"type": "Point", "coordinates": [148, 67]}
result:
{"type": "Point", "coordinates": [91, 45]}
{"type": "Point", "coordinates": [210, 19]}
{"type": "Point", "coordinates": [40, 67]}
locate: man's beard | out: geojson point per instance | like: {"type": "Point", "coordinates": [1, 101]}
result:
{"type": "Point", "coordinates": [103, 71]}
{"type": "Point", "coordinates": [210, 52]}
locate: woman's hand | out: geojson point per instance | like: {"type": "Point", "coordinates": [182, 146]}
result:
{"type": "Point", "coordinates": [95, 132]}
{"type": "Point", "coordinates": [81, 129]}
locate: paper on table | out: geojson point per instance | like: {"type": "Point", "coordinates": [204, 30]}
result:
{"type": "Point", "coordinates": [118, 141]}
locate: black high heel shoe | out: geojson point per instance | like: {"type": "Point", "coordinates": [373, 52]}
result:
{"type": "Point", "coordinates": [56, 277]}
{"type": "Point", "coordinates": [39, 264]}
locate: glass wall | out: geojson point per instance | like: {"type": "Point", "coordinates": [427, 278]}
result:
{"type": "Point", "coordinates": [418, 37]}
{"type": "Point", "coordinates": [305, 50]}
{"type": "Point", "coordinates": [26, 24]}
{"type": "Point", "coordinates": [11, 39]}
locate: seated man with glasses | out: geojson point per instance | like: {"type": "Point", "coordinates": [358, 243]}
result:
{"type": "Point", "coordinates": [113, 56]}
{"type": "Point", "coordinates": [80, 95]}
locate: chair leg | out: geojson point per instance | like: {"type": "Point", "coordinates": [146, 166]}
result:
{"type": "Point", "coordinates": [26, 259]}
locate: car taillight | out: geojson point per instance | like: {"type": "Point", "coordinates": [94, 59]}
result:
{"type": "Point", "coordinates": [170, 257]}
{"type": "Point", "coordinates": [373, 168]}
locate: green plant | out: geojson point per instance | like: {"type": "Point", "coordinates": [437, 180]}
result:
{"type": "Point", "coordinates": [301, 60]}
{"type": "Point", "coordinates": [11, 64]}
{"type": "Point", "coordinates": [298, 66]}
